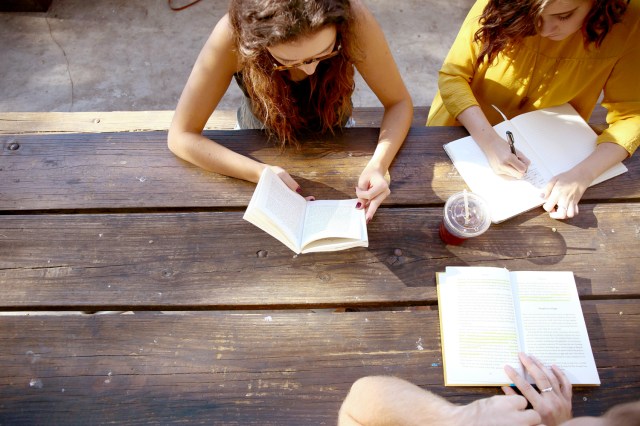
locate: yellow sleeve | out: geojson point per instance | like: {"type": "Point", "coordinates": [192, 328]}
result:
{"type": "Point", "coordinates": [459, 65]}
{"type": "Point", "coordinates": [622, 100]}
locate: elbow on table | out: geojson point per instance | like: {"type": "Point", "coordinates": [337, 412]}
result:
{"type": "Point", "coordinates": [174, 141]}
{"type": "Point", "coordinates": [365, 401]}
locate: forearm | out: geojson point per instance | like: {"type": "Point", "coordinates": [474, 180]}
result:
{"type": "Point", "coordinates": [603, 158]}
{"type": "Point", "coordinates": [476, 123]}
{"type": "Point", "coordinates": [394, 127]}
{"type": "Point", "coordinates": [211, 156]}
{"type": "Point", "coordinates": [391, 401]}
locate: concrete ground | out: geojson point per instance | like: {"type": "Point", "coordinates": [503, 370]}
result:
{"type": "Point", "coordinates": [120, 55]}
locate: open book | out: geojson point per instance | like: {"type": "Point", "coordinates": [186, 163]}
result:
{"type": "Point", "coordinates": [488, 315]}
{"type": "Point", "coordinates": [554, 139]}
{"type": "Point", "coordinates": [305, 226]}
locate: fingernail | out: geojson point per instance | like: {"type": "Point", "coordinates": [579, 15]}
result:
{"type": "Point", "coordinates": [368, 220]}
{"type": "Point", "coordinates": [299, 190]}
{"type": "Point", "coordinates": [358, 205]}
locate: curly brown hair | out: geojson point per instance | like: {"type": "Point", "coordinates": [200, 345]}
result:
{"type": "Point", "coordinates": [259, 24]}
{"type": "Point", "coordinates": [505, 23]}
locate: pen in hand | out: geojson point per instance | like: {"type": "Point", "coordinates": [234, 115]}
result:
{"type": "Point", "coordinates": [511, 143]}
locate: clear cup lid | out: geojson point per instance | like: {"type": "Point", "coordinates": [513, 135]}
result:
{"type": "Point", "coordinates": [468, 218]}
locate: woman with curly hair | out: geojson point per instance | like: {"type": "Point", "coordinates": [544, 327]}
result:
{"type": "Point", "coordinates": [294, 60]}
{"type": "Point", "coordinates": [524, 55]}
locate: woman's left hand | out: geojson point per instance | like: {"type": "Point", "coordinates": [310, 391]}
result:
{"type": "Point", "coordinates": [553, 401]}
{"type": "Point", "coordinates": [372, 189]}
{"type": "Point", "coordinates": [563, 193]}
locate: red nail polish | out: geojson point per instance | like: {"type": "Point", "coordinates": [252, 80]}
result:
{"type": "Point", "coordinates": [299, 190]}
{"type": "Point", "coordinates": [358, 205]}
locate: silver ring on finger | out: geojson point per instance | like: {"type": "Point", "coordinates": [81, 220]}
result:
{"type": "Point", "coordinates": [549, 389]}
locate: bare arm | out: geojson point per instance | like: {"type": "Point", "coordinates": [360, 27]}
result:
{"type": "Point", "coordinates": [208, 82]}
{"type": "Point", "coordinates": [381, 74]}
{"type": "Point", "coordinates": [382, 400]}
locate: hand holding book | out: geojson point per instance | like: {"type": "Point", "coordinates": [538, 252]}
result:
{"type": "Point", "coordinates": [303, 225]}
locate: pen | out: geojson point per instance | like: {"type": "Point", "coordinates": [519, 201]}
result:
{"type": "Point", "coordinates": [511, 143]}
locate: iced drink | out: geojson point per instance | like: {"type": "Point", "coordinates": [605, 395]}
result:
{"type": "Point", "coordinates": [466, 215]}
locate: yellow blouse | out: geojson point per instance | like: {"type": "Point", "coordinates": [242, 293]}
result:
{"type": "Point", "coordinates": [548, 73]}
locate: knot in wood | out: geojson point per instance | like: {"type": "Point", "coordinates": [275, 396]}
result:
{"type": "Point", "coordinates": [397, 252]}
{"type": "Point", "coordinates": [325, 277]}
{"type": "Point", "coordinates": [14, 146]}
{"type": "Point", "coordinates": [167, 273]}
{"type": "Point", "coordinates": [262, 253]}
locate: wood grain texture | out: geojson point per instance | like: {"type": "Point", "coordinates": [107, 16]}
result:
{"type": "Point", "coordinates": [101, 121]}
{"type": "Point", "coordinates": [276, 368]}
{"type": "Point", "coordinates": [145, 121]}
{"type": "Point", "coordinates": [211, 259]}
{"type": "Point", "coordinates": [137, 170]}
{"type": "Point", "coordinates": [223, 332]}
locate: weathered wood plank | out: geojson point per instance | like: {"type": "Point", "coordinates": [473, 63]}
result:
{"type": "Point", "coordinates": [136, 170]}
{"type": "Point", "coordinates": [101, 121]}
{"type": "Point", "coordinates": [275, 368]}
{"type": "Point", "coordinates": [148, 121]}
{"type": "Point", "coordinates": [210, 259]}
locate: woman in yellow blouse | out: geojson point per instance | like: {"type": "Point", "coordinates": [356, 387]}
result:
{"type": "Point", "coordinates": [524, 55]}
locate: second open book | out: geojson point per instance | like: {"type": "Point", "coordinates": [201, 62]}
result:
{"type": "Point", "coordinates": [554, 139]}
{"type": "Point", "coordinates": [305, 226]}
{"type": "Point", "coordinates": [488, 315]}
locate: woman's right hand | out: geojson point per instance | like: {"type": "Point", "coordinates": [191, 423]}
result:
{"type": "Point", "coordinates": [496, 149]}
{"type": "Point", "coordinates": [502, 160]}
{"type": "Point", "coordinates": [289, 181]}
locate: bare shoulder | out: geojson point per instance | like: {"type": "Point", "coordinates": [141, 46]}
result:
{"type": "Point", "coordinates": [366, 29]}
{"type": "Point", "coordinates": [223, 31]}
{"type": "Point", "coordinates": [221, 45]}
{"type": "Point", "coordinates": [361, 14]}
{"type": "Point", "coordinates": [374, 60]}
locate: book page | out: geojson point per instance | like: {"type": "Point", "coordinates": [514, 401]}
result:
{"type": "Point", "coordinates": [478, 325]}
{"type": "Point", "coordinates": [331, 219]}
{"type": "Point", "coordinates": [562, 138]}
{"type": "Point", "coordinates": [506, 196]}
{"type": "Point", "coordinates": [277, 210]}
{"type": "Point", "coordinates": [552, 323]}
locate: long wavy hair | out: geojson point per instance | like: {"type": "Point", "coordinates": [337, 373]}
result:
{"type": "Point", "coordinates": [259, 24]}
{"type": "Point", "coordinates": [505, 23]}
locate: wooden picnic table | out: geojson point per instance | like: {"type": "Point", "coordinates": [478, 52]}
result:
{"type": "Point", "coordinates": [133, 291]}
